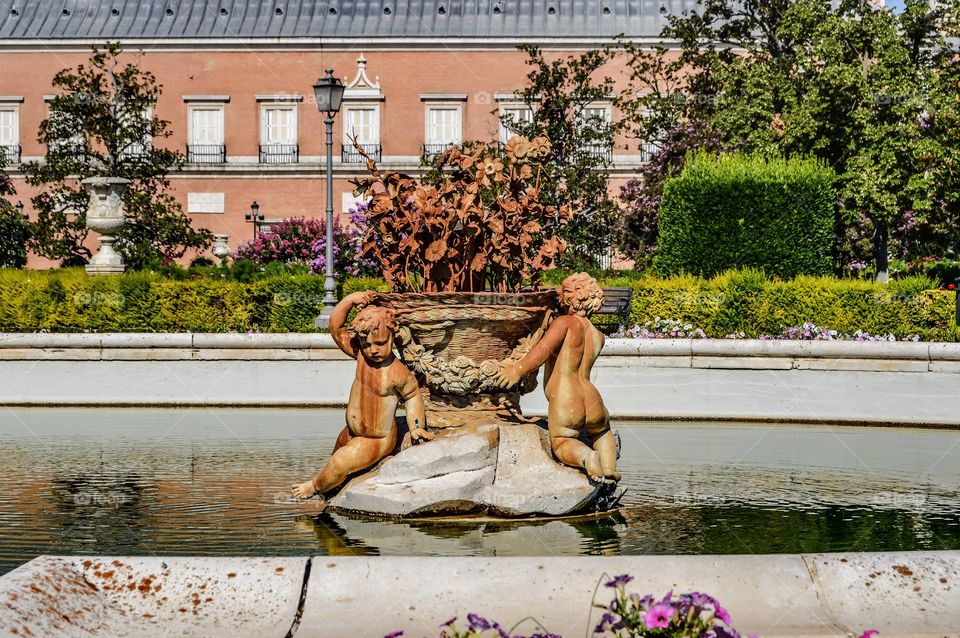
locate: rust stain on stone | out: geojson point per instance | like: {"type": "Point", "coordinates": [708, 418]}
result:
{"type": "Point", "coordinates": [903, 570]}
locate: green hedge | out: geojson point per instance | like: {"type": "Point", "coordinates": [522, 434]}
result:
{"type": "Point", "coordinates": [740, 211]}
{"type": "Point", "coordinates": [740, 301]}
{"type": "Point", "coordinates": [747, 301]}
{"type": "Point", "coordinates": [71, 301]}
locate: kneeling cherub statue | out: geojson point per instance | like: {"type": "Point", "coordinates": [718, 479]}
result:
{"type": "Point", "coordinates": [569, 349]}
{"type": "Point", "coordinates": [381, 381]}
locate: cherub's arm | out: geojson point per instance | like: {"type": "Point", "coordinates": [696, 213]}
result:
{"type": "Point", "coordinates": [551, 342]}
{"type": "Point", "coordinates": [416, 412]}
{"type": "Point", "coordinates": [339, 317]}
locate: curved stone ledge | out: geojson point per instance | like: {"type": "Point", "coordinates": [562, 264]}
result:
{"type": "Point", "coordinates": [898, 593]}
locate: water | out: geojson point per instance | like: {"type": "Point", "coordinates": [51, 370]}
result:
{"type": "Point", "coordinates": [206, 482]}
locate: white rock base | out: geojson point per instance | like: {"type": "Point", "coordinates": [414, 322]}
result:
{"type": "Point", "coordinates": [507, 470]}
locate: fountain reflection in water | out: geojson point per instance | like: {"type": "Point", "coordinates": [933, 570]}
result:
{"type": "Point", "coordinates": [209, 482]}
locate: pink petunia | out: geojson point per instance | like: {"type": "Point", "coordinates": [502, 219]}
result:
{"type": "Point", "coordinates": [870, 633]}
{"type": "Point", "coordinates": [658, 617]}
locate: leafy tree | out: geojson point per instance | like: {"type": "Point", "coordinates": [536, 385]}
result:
{"type": "Point", "coordinates": [846, 82]}
{"type": "Point", "coordinates": [15, 231]}
{"type": "Point", "coordinates": [102, 123]}
{"type": "Point", "coordinates": [558, 93]}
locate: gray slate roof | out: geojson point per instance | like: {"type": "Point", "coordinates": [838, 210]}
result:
{"type": "Point", "coordinates": [131, 19]}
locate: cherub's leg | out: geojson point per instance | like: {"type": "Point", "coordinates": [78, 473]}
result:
{"type": "Point", "coordinates": [605, 444]}
{"type": "Point", "coordinates": [573, 452]}
{"type": "Point", "coordinates": [357, 454]}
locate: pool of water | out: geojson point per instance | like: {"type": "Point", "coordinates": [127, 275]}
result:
{"type": "Point", "coordinates": [209, 482]}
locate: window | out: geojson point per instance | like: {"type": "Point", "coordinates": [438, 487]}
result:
{"type": "Point", "coordinates": [514, 113]}
{"type": "Point", "coordinates": [596, 118]}
{"type": "Point", "coordinates": [206, 134]}
{"type": "Point", "coordinates": [138, 149]}
{"type": "Point", "coordinates": [278, 135]}
{"type": "Point", "coordinates": [10, 134]}
{"type": "Point", "coordinates": [361, 121]}
{"type": "Point", "coordinates": [444, 128]}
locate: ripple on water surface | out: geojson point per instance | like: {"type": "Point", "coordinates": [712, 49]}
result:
{"type": "Point", "coordinates": [202, 482]}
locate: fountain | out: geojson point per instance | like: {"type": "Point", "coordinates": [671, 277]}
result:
{"type": "Point", "coordinates": [470, 342]}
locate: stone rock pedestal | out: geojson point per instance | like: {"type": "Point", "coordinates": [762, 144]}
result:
{"type": "Point", "coordinates": [505, 470]}
{"type": "Point", "coordinates": [105, 215]}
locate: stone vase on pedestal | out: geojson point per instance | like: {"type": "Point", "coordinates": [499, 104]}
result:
{"type": "Point", "coordinates": [105, 216]}
{"type": "Point", "coordinates": [221, 247]}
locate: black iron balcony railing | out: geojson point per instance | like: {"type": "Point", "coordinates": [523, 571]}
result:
{"type": "Point", "coordinates": [430, 151]}
{"type": "Point", "coordinates": [11, 153]}
{"type": "Point", "coordinates": [603, 152]}
{"type": "Point", "coordinates": [279, 153]}
{"type": "Point", "coordinates": [133, 150]}
{"type": "Point", "coordinates": [206, 153]}
{"type": "Point", "coordinates": [350, 155]}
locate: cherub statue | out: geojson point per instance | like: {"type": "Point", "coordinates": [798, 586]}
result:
{"type": "Point", "coordinates": [381, 381]}
{"type": "Point", "coordinates": [569, 348]}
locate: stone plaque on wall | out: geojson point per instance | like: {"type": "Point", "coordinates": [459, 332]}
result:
{"type": "Point", "coordinates": [205, 203]}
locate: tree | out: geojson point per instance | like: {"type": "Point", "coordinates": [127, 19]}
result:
{"type": "Point", "coordinates": [845, 82]}
{"type": "Point", "coordinates": [103, 123]}
{"type": "Point", "coordinates": [558, 94]}
{"type": "Point", "coordinates": [15, 231]}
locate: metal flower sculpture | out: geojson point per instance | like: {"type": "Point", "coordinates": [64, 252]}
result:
{"type": "Point", "coordinates": [481, 225]}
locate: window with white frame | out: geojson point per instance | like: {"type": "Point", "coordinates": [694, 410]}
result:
{"type": "Point", "coordinates": [513, 114]}
{"type": "Point", "coordinates": [361, 122]}
{"type": "Point", "coordinates": [278, 133]}
{"type": "Point", "coordinates": [10, 133]}
{"type": "Point", "coordinates": [205, 134]}
{"type": "Point", "coordinates": [444, 127]}
{"type": "Point", "coordinates": [598, 117]}
{"type": "Point", "coordinates": [135, 149]}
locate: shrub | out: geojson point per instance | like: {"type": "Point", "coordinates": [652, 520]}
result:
{"type": "Point", "coordinates": [747, 302]}
{"type": "Point", "coordinates": [747, 211]}
{"type": "Point", "coordinates": [68, 300]}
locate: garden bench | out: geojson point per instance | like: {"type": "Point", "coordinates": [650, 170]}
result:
{"type": "Point", "coordinates": [616, 301]}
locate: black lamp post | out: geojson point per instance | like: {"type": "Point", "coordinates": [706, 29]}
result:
{"type": "Point", "coordinates": [329, 93]}
{"type": "Point", "coordinates": [255, 217]}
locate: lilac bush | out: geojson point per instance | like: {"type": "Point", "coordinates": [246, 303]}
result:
{"type": "Point", "coordinates": [661, 328]}
{"type": "Point", "coordinates": [303, 241]}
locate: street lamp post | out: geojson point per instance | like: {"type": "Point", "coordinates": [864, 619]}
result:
{"type": "Point", "coordinates": [254, 216]}
{"type": "Point", "coordinates": [329, 93]}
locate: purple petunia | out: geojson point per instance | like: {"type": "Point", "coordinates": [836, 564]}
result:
{"type": "Point", "coordinates": [619, 581]}
{"type": "Point", "coordinates": [658, 617]}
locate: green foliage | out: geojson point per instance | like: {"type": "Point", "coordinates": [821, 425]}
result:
{"type": "Point", "coordinates": [747, 211]}
{"type": "Point", "coordinates": [15, 231]}
{"type": "Point", "coordinates": [205, 300]}
{"type": "Point", "coordinates": [748, 302]}
{"type": "Point", "coordinates": [102, 123]}
{"type": "Point", "coordinates": [558, 92]}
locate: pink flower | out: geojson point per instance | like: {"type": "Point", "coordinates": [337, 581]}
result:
{"type": "Point", "coordinates": [870, 633]}
{"type": "Point", "coordinates": [659, 616]}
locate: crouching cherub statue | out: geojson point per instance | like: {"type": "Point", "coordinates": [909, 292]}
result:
{"type": "Point", "coordinates": [381, 381]}
{"type": "Point", "coordinates": [569, 349]}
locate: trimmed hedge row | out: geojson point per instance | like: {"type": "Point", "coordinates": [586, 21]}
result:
{"type": "Point", "coordinates": [747, 211]}
{"type": "Point", "coordinates": [71, 301]}
{"type": "Point", "coordinates": [738, 301]}
{"type": "Point", "coordinates": [748, 302]}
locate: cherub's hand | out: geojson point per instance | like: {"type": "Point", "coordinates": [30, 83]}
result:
{"type": "Point", "coordinates": [419, 434]}
{"type": "Point", "coordinates": [363, 299]}
{"type": "Point", "coordinates": [509, 374]}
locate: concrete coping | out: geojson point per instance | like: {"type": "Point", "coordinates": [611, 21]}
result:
{"type": "Point", "coordinates": [902, 350]}
{"type": "Point", "coordinates": [898, 593]}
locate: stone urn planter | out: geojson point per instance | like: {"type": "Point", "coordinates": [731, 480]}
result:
{"type": "Point", "coordinates": [454, 343]}
{"type": "Point", "coordinates": [105, 216]}
{"type": "Point", "coordinates": [221, 247]}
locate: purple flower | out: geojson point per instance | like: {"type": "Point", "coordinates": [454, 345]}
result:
{"type": "Point", "coordinates": [658, 617]}
{"type": "Point", "coordinates": [394, 634]}
{"type": "Point", "coordinates": [870, 633]}
{"type": "Point", "coordinates": [478, 623]}
{"type": "Point", "coordinates": [619, 581]}
{"type": "Point", "coordinates": [605, 624]}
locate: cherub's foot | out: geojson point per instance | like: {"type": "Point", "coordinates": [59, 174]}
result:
{"type": "Point", "coordinates": [613, 475]}
{"type": "Point", "coordinates": [304, 490]}
{"type": "Point", "coordinates": [593, 466]}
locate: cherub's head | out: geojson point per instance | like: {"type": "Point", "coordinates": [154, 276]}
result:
{"type": "Point", "coordinates": [373, 328]}
{"type": "Point", "coordinates": [580, 294]}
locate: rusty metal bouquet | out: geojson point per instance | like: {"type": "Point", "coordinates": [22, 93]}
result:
{"type": "Point", "coordinates": [478, 224]}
